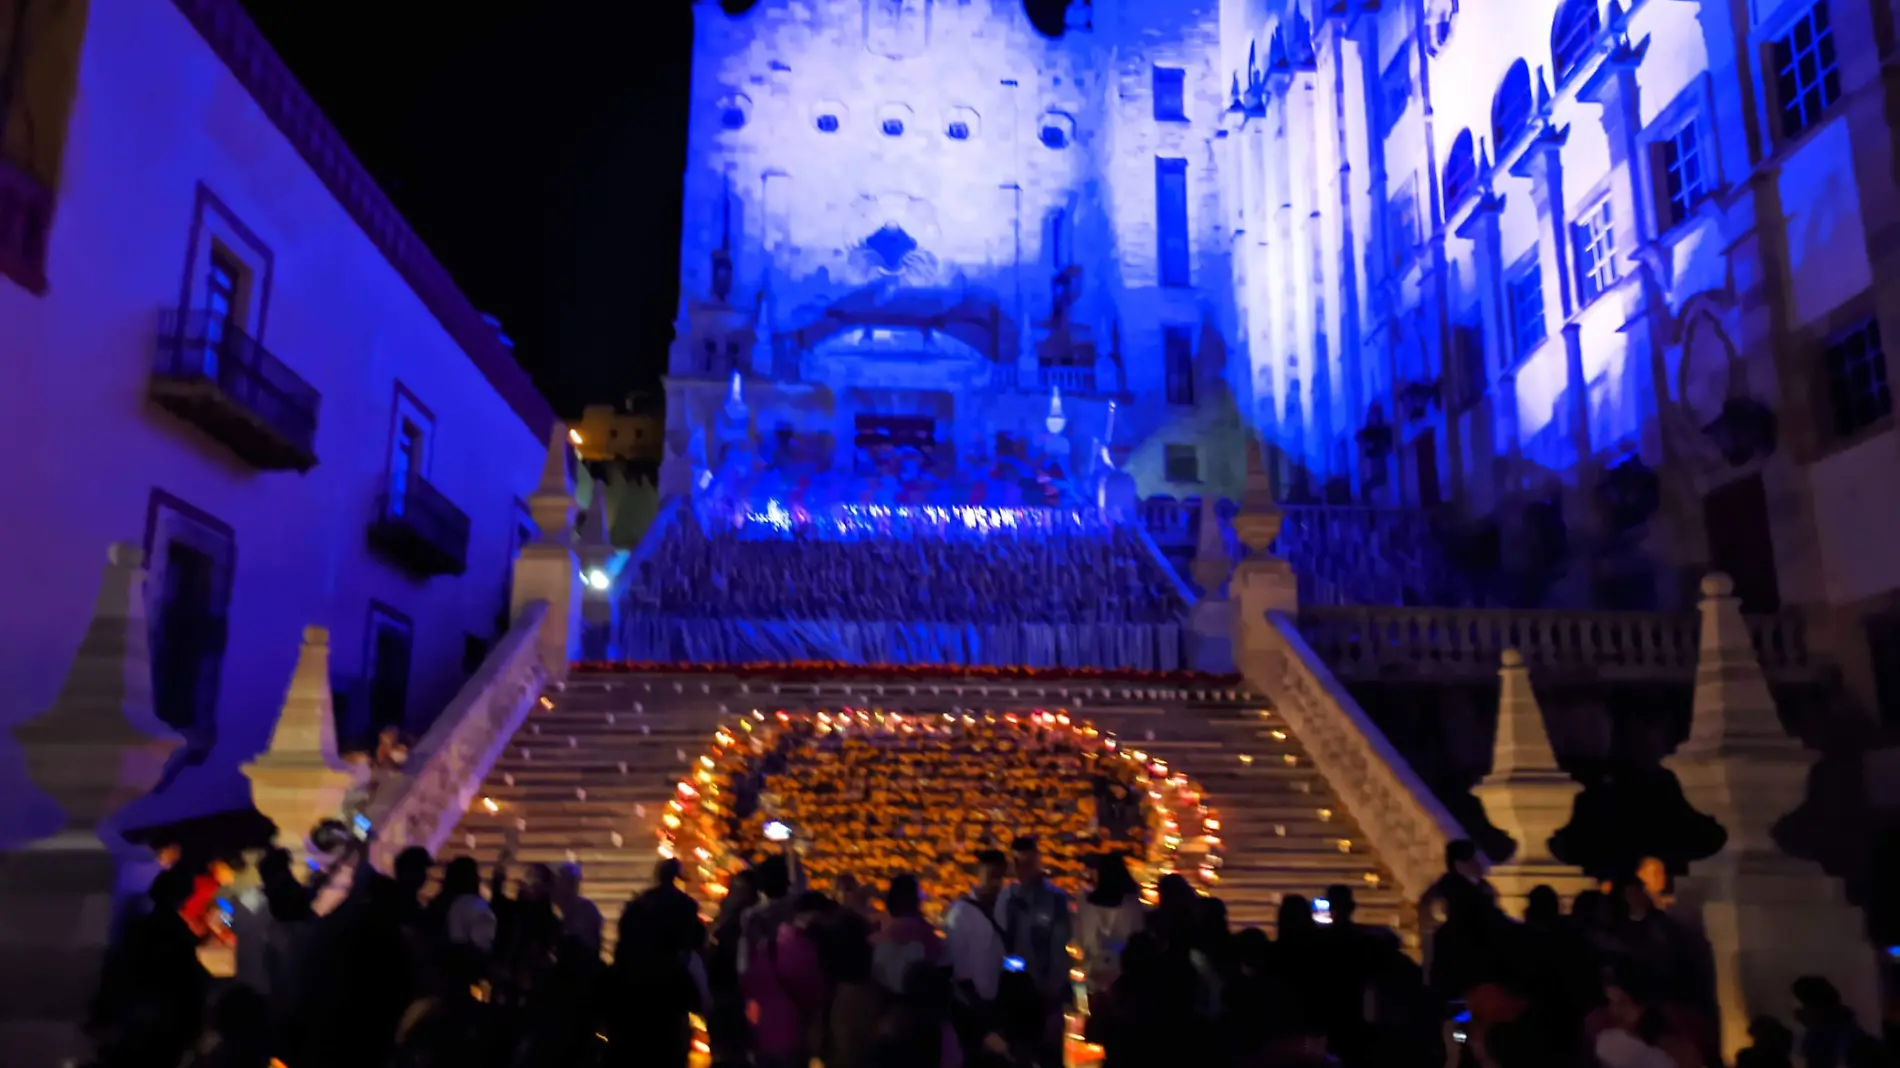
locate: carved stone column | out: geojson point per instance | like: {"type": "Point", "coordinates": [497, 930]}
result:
{"type": "Point", "coordinates": [548, 568]}
{"type": "Point", "coordinates": [301, 780]}
{"type": "Point", "coordinates": [1769, 917]}
{"type": "Point", "coordinates": [1527, 795]}
{"type": "Point", "coordinates": [99, 747]}
{"type": "Point", "coordinates": [1262, 583]}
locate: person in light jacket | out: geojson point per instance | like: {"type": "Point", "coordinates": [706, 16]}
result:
{"type": "Point", "coordinates": [1104, 921]}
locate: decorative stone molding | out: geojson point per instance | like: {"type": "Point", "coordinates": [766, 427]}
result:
{"type": "Point", "coordinates": [1769, 917]}
{"type": "Point", "coordinates": [99, 747]}
{"type": "Point", "coordinates": [1527, 795]}
{"type": "Point", "coordinates": [301, 779]}
{"type": "Point", "coordinates": [422, 806]}
{"type": "Point", "coordinates": [1404, 822]}
{"type": "Point", "coordinates": [229, 31]}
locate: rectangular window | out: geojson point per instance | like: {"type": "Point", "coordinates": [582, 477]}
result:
{"type": "Point", "coordinates": [390, 648]}
{"type": "Point", "coordinates": [405, 463]}
{"type": "Point", "coordinates": [1857, 379]}
{"type": "Point", "coordinates": [1526, 292]}
{"type": "Point", "coordinates": [1177, 345]}
{"type": "Point", "coordinates": [224, 278]}
{"type": "Point", "coordinates": [1685, 184]}
{"type": "Point", "coordinates": [1594, 239]}
{"type": "Point", "coordinates": [1183, 463]}
{"type": "Point", "coordinates": [1395, 88]}
{"type": "Point", "coordinates": [1402, 224]}
{"type": "Point", "coordinates": [1807, 82]}
{"type": "Point", "coordinates": [189, 593]}
{"type": "Point", "coordinates": [1170, 94]}
{"type": "Point", "coordinates": [1171, 220]}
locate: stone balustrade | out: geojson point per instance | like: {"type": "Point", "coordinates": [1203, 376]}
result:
{"type": "Point", "coordinates": [422, 806]}
{"type": "Point", "coordinates": [1463, 644]}
{"type": "Point", "coordinates": [1405, 823]}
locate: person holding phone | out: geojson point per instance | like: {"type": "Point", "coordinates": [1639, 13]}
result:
{"type": "Point", "coordinates": [1038, 919]}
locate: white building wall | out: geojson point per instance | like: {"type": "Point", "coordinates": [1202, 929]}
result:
{"type": "Point", "coordinates": [167, 147]}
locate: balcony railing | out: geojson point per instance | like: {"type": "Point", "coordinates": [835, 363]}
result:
{"type": "Point", "coordinates": [211, 374]}
{"type": "Point", "coordinates": [26, 214]}
{"type": "Point", "coordinates": [421, 529]}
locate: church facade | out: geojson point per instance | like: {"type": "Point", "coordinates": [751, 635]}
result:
{"type": "Point", "coordinates": [910, 225]}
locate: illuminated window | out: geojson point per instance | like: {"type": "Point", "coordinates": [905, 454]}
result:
{"type": "Point", "coordinates": [1511, 108]}
{"type": "Point", "coordinates": [1594, 238]}
{"type": "Point", "coordinates": [1177, 347]}
{"type": "Point", "coordinates": [1806, 80]}
{"type": "Point", "coordinates": [1461, 171]}
{"type": "Point", "coordinates": [1573, 35]}
{"type": "Point", "coordinates": [1170, 87]}
{"type": "Point", "coordinates": [1182, 464]}
{"type": "Point", "coordinates": [1526, 293]}
{"type": "Point", "coordinates": [1857, 379]}
{"type": "Point", "coordinates": [1395, 88]}
{"type": "Point", "coordinates": [1679, 162]}
{"type": "Point", "coordinates": [1171, 215]}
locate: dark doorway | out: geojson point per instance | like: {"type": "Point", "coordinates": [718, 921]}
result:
{"type": "Point", "coordinates": [391, 643]}
{"type": "Point", "coordinates": [188, 635]}
{"type": "Point", "coordinates": [1741, 542]}
{"type": "Point", "coordinates": [1425, 459]}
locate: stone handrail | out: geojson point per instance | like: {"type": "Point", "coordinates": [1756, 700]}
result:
{"type": "Point", "coordinates": [1404, 822]}
{"type": "Point", "coordinates": [1463, 644]}
{"type": "Point", "coordinates": [422, 806]}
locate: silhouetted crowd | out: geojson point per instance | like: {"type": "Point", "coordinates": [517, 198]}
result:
{"type": "Point", "coordinates": [784, 975]}
{"type": "Point", "coordinates": [1099, 573]}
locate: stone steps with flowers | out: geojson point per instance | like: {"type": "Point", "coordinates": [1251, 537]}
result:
{"type": "Point", "coordinates": [587, 778]}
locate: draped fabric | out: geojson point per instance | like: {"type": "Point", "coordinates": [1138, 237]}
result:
{"type": "Point", "coordinates": [1124, 645]}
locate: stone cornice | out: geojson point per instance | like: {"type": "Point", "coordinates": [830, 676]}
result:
{"type": "Point", "coordinates": [241, 45]}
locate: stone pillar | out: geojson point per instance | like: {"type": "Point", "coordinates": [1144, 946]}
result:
{"type": "Point", "coordinates": [548, 568]}
{"type": "Point", "coordinates": [1527, 795]}
{"type": "Point", "coordinates": [1769, 917]}
{"type": "Point", "coordinates": [1261, 583]}
{"type": "Point", "coordinates": [1482, 227]}
{"type": "Point", "coordinates": [1212, 622]}
{"type": "Point", "coordinates": [99, 747]}
{"type": "Point", "coordinates": [301, 779]}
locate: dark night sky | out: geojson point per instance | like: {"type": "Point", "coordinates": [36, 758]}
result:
{"type": "Point", "coordinates": [536, 145]}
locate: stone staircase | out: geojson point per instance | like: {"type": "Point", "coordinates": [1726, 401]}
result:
{"type": "Point", "coordinates": [588, 775]}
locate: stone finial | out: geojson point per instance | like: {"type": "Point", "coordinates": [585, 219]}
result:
{"type": "Point", "coordinates": [101, 745]}
{"type": "Point", "coordinates": [301, 779]}
{"type": "Point", "coordinates": [1737, 764]}
{"type": "Point", "coordinates": [1211, 562]}
{"type": "Point", "coordinates": [1258, 523]}
{"type": "Point", "coordinates": [1527, 795]}
{"type": "Point", "coordinates": [552, 503]}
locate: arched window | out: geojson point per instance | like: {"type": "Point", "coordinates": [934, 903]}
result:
{"type": "Point", "coordinates": [1572, 35]}
{"type": "Point", "coordinates": [1511, 108]}
{"type": "Point", "coordinates": [1461, 171]}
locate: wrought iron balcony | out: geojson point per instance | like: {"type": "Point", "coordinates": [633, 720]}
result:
{"type": "Point", "coordinates": [26, 214]}
{"type": "Point", "coordinates": [421, 529]}
{"type": "Point", "coordinates": [211, 374]}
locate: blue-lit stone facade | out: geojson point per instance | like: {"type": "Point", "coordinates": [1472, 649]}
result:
{"type": "Point", "coordinates": [920, 218]}
{"type": "Point", "coordinates": [1597, 281]}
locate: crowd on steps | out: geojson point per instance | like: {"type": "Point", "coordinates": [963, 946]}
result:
{"type": "Point", "coordinates": [782, 976]}
{"type": "Point", "coordinates": [1053, 573]}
